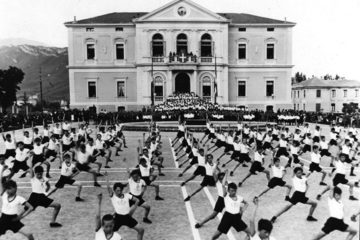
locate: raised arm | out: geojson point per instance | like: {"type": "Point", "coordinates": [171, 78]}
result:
{"type": "Point", "coordinates": [98, 213]}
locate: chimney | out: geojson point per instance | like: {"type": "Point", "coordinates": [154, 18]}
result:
{"type": "Point", "coordinates": [285, 20]}
{"type": "Point", "coordinates": [74, 19]}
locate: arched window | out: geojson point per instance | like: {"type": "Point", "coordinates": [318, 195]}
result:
{"type": "Point", "coordinates": [181, 44]}
{"type": "Point", "coordinates": [158, 46]}
{"type": "Point", "coordinates": [206, 88]}
{"type": "Point", "coordinates": [206, 45]}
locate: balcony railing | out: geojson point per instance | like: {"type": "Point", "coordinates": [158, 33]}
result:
{"type": "Point", "coordinates": [158, 59]}
{"type": "Point", "coordinates": [206, 59]}
{"type": "Point", "coordinates": [159, 98]}
{"type": "Point", "coordinates": [183, 58]}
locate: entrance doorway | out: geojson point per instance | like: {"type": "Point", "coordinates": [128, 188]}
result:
{"type": "Point", "coordinates": [182, 83]}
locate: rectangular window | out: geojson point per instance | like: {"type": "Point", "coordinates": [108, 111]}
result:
{"type": "Point", "coordinates": [318, 107]}
{"type": "Point", "coordinates": [318, 93]}
{"type": "Point", "coordinates": [119, 29]}
{"type": "Point", "coordinates": [270, 29]}
{"type": "Point", "coordinates": [242, 51]}
{"type": "Point", "coordinates": [269, 88]}
{"type": "Point", "coordinates": [159, 89]}
{"type": "Point", "coordinates": [298, 94]}
{"type": "Point", "coordinates": [90, 51]}
{"type": "Point", "coordinates": [241, 88]}
{"type": "Point", "coordinates": [356, 92]}
{"type": "Point", "coordinates": [345, 93]}
{"type": "Point", "coordinates": [304, 93]}
{"type": "Point", "coordinates": [206, 89]}
{"type": "Point", "coordinates": [333, 93]}
{"type": "Point", "coordinates": [270, 51]}
{"type": "Point", "coordinates": [294, 107]}
{"type": "Point", "coordinates": [121, 89]}
{"type": "Point", "coordinates": [92, 89]}
{"type": "Point", "coordinates": [90, 29]}
{"type": "Point", "coordinates": [242, 29]}
{"type": "Point", "coordinates": [304, 106]}
{"type": "Point", "coordinates": [120, 51]}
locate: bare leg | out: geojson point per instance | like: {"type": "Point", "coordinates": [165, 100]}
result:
{"type": "Point", "coordinates": [263, 192]}
{"type": "Point", "coordinates": [56, 211]}
{"type": "Point", "coordinates": [216, 235]}
{"type": "Point", "coordinates": [140, 232]}
{"type": "Point", "coordinates": [27, 235]}
{"type": "Point", "coordinates": [208, 218]}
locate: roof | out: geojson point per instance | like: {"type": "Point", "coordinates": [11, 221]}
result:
{"type": "Point", "coordinates": [128, 17]}
{"type": "Point", "coordinates": [321, 83]}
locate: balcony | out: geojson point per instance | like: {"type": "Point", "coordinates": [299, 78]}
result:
{"type": "Point", "coordinates": [206, 59]}
{"type": "Point", "coordinates": [173, 58]}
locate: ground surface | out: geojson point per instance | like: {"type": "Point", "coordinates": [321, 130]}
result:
{"type": "Point", "coordinates": [172, 218]}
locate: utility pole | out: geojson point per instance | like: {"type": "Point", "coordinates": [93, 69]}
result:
{"type": "Point", "coordinates": [41, 90]}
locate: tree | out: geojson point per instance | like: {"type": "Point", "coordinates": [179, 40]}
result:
{"type": "Point", "coordinates": [9, 84]}
{"type": "Point", "coordinates": [350, 107]}
{"type": "Point", "coordinates": [299, 77]}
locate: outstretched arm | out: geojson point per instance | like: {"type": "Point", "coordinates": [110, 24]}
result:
{"type": "Point", "coordinates": [98, 213]}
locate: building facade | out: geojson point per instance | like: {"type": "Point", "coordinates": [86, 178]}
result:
{"type": "Point", "coordinates": [318, 95]}
{"type": "Point", "coordinates": [182, 47]}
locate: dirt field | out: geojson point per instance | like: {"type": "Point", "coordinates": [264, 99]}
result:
{"type": "Point", "coordinates": [172, 217]}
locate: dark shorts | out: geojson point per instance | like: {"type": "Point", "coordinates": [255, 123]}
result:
{"type": "Point", "coordinates": [212, 136]}
{"type": "Point", "coordinates": [194, 161]}
{"type": "Point", "coordinates": [45, 139]}
{"type": "Point", "coordinates": [38, 159]}
{"type": "Point", "coordinates": [6, 223]}
{"type": "Point", "coordinates": [325, 152]}
{"type": "Point", "coordinates": [298, 197]}
{"type": "Point", "coordinates": [208, 181]}
{"type": "Point", "coordinates": [29, 146]}
{"type": "Point", "coordinates": [275, 137]}
{"type": "Point", "coordinates": [296, 159]}
{"type": "Point", "coordinates": [83, 167]}
{"type": "Point", "coordinates": [235, 155]}
{"type": "Point", "coordinates": [63, 180]}
{"type": "Point", "coordinates": [333, 142]}
{"type": "Point", "coordinates": [141, 200]}
{"type": "Point", "coordinates": [101, 151]}
{"type": "Point", "coordinates": [123, 220]}
{"type": "Point", "coordinates": [282, 152]}
{"type": "Point", "coordinates": [146, 180]}
{"type": "Point", "coordinates": [219, 144]}
{"type": "Point", "coordinates": [184, 143]}
{"type": "Point", "coordinates": [200, 170]}
{"type": "Point", "coordinates": [347, 158]}
{"type": "Point", "coordinates": [256, 167]}
{"type": "Point", "coordinates": [219, 205]}
{"type": "Point", "coordinates": [315, 167]}
{"type": "Point", "coordinates": [66, 148]}
{"type": "Point", "coordinates": [229, 147]}
{"type": "Point", "coordinates": [57, 136]}
{"type": "Point", "coordinates": [10, 153]}
{"type": "Point", "coordinates": [276, 182]}
{"type": "Point", "coordinates": [333, 224]}
{"type": "Point", "coordinates": [207, 131]}
{"type": "Point", "coordinates": [188, 149]}
{"type": "Point", "coordinates": [231, 220]}
{"type": "Point", "coordinates": [316, 139]}
{"type": "Point", "coordinates": [19, 166]}
{"type": "Point", "coordinates": [267, 145]}
{"type": "Point", "coordinates": [339, 179]}
{"type": "Point", "coordinates": [244, 157]}
{"type": "Point", "coordinates": [50, 153]}
{"type": "Point", "coordinates": [258, 144]}
{"type": "Point", "coordinates": [39, 200]}
{"type": "Point", "coordinates": [307, 148]}
{"type": "Point", "coordinates": [180, 134]}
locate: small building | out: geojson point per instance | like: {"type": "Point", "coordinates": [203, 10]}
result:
{"type": "Point", "coordinates": [319, 95]}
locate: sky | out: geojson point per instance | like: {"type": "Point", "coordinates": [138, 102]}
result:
{"type": "Point", "coordinates": [326, 38]}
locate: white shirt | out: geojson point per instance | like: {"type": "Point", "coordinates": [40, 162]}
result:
{"type": "Point", "coordinates": [99, 144]}
{"type": "Point", "coordinates": [52, 144]}
{"type": "Point", "coordinates": [121, 205]}
{"type": "Point", "coordinates": [299, 184]}
{"type": "Point", "coordinates": [21, 155]}
{"type": "Point", "coordinates": [210, 169]}
{"type": "Point", "coordinates": [307, 141]}
{"type": "Point", "coordinates": [232, 206]}
{"type": "Point", "coordinates": [336, 208]}
{"type": "Point", "coordinates": [315, 157]}
{"type": "Point", "coordinates": [90, 149]}
{"type": "Point", "coordinates": [297, 137]}
{"type": "Point", "coordinates": [237, 146]}
{"type": "Point", "coordinates": [83, 157]}
{"type": "Point", "coordinates": [294, 150]}
{"type": "Point", "coordinates": [38, 150]}
{"type": "Point", "coordinates": [100, 235]}
{"type": "Point", "coordinates": [57, 130]}
{"type": "Point", "coordinates": [277, 171]}
{"type": "Point", "coordinates": [46, 133]}
{"type": "Point", "coordinates": [10, 145]}
{"type": "Point", "coordinates": [27, 140]}
{"type": "Point", "coordinates": [340, 167]}
{"type": "Point", "coordinates": [258, 157]}
{"type": "Point", "coordinates": [324, 145]}
{"type": "Point", "coordinates": [39, 186]}
{"type": "Point", "coordinates": [136, 187]}
{"type": "Point", "coordinates": [145, 171]}
{"type": "Point", "coordinates": [283, 143]}
{"type": "Point", "coordinates": [66, 140]}
{"type": "Point", "coordinates": [345, 149]}
{"type": "Point", "coordinates": [67, 170]}
{"type": "Point", "coordinates": [244, 148]}
{"type": "Point", "coordinates": [220, 189]}
{"type": "Point", "coordinates": [201, 160]}
{"type": "Point", "coordinates": [14, 206]}
{"type": "Point", "coordinates": [181, 128]}
{"type": "Point", "coordinates": [66, 126]}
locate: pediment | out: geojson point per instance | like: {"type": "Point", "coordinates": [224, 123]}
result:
{"type": "Point", "coordinates": [182, 10]}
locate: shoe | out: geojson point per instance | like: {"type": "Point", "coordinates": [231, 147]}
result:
{"type": "Point", "coordinates": [161, 174]}
{"type": "Point", "coordinates": [287, 165]}
{"type": "Point", "coordinates": [231, 173]}
{"type": "Point", "coordinates": [240, 183]}
{"type": "Point", "coordinates": [197, 225]}
{"type": "Point", "coordinates": [287, 198]}
{"type": "Point", "coordinates": [331, 165]}
{"type": "Point", "coordinates": [352, 174]}
{"type": "Point", "coordinates": [107, 166]}
{"type": "Point", "coordinates": [352, 198]}
{"type": "Point", "coordinates": [273, 219]}
{"type": "Point", "coordinates": [99, 175]}
{"type": "Point", "coordinates": [180, 175]}
{"type": "Point", "coordinates": [224, 165]}
{"type": "Point", "coordinates": [158, 198]}
{"type": "Point", "coordinates": [323, 184]}
{"type": "Point", "coordinates": [125, 146]}
{"type": "Point", "coordinates": [97, 184]}
{"type": "Point", "coordinates": [244, 165]}
{"type": "Point", "coordinates": [79, 199]}
{"type": "Point", "coordinates": [356, 184]}
{"type": "Point", "coordinates": [182, 184]}
{"type": "Point", "coordinates": [311, 219]}
{"type": "Point", "coordinates": [186, 199]}
{"type": "Point", "coordinates": [55, 224]}
{"type": "Point", "coordinates": [48, 175]}
{"type": "Point", "coordinates": [318, 197]}
{"type": "Point", "coordinates": [146, 220]}
{"type": "Point", "coordinates": [110, 160]}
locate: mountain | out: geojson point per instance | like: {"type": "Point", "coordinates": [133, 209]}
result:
{"type": "Point", "coordinates": [30, 58]}
{"type": "Point", "coordinates": [19, 41]}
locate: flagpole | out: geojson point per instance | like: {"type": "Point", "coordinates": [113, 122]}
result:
{"type": "Point", "coordinates": [152, 83]}
{"type": "Point", "coordinates": [215, 83]}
